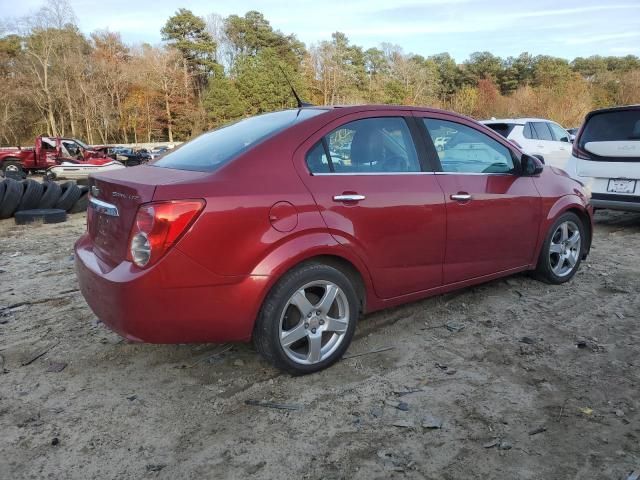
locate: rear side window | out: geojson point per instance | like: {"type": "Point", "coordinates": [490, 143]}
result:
{"type": "Point", "coordinates": [469, 150]}
{"type": "Point", "coordinates": [528, 132]}
{"type": "Point", "coordinates": [503, 129]}
{"type": "Point", "coordinates": [542, 131]}
{"type": "Point", "coordinates": [213, 149]}
{"type": "Point", "coordinates": [317, 160]}
{"type": "Point", "coordinates": [612, 126]}
{"type": "Point", "coordinates": [370, 145]}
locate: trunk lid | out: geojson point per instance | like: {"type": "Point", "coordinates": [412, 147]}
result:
{"type": "Point", "coordinates": [125, 189]}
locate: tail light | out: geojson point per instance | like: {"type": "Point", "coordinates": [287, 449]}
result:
{"type": "Point", "coordinates": [578, 152]}
{"type": "Point", "coordinates": [158, 226]}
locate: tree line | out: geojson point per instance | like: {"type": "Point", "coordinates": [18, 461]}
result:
{"type": "Point", "coordinates": [209, 71]}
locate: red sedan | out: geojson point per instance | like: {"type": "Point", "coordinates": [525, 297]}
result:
{"type": "Point", "coordinates": [287, 227]}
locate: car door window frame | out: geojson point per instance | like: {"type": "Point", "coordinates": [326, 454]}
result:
{"type": "Point", "coordinates": [543, 125]}
{"type": "Point", "coordinates": [414, 135]}
{"type": "Point", "coordinates": [554, 135]}
{"type": "Point", "coordinates": [434, 158]}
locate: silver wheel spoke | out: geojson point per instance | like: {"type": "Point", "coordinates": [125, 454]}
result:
{"type": "Point", "coordinates": [292, 336]}
{"type": "Point", "coordinates": [338, 325]}
{"type": "Point", "coordinates": [572, 259]}
{"type": "Point", "coordinates": [555, 248]}
{"type": "Point", "coordinates": [327, 299]}
{"type": "Point", "coordinates": [574, 240]}
{"type": "Point", "coordinates": [564, 229]}
{"type": "Point", "coordinates": [315, 348]}
{"type": "Point", "coordinates": [299, 299]}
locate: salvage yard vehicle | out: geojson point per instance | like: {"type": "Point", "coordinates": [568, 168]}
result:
{"type": "Point", "coordinates": [536, 136]}
{"type": "Point", "coordinates": [50, 152]}
{"type": "Point", "coordinates": [606, 157]}
{"type": "Point", "coordinates": [252, 231]}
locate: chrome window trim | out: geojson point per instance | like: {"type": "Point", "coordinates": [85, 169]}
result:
{"type": "Point", "coordinates": [477, 173]}
{"type": "Point", "coordinates": [353, 174]}
{"type": "Point", "coordinates": [103, 207]}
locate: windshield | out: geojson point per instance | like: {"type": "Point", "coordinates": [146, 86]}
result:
{"type": "Point", "coordinates": [211, 150]}
{"type": "Point", "coordinates": [612, 126]}
{"type": "Point", "coordinates": [82, 144]}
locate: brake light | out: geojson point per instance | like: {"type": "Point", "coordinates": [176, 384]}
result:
{"type": "Point", "coordinates": [578, 152]}
{"type": "Point", "coordinates": [158, 226]}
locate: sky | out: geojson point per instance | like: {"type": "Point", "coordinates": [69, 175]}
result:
{"type": "Point", "coordinates": [565, 29]}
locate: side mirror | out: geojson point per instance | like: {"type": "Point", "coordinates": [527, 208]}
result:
{"type": "Point", "coordinates": [531, 165]}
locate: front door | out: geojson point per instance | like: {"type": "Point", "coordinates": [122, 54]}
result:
{"type": "Point", "coordinates": [493, 214]}
{"type": "Point", "coordinates": [376, 198]}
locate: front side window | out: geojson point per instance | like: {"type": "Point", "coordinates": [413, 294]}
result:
{"type": "Point", "coordinates": [468, 150]}
{"type": "Point", "coordinates": [370, 145]}
{"type": "Point", "coordinates": [542, 131]}
{"type": "Point", "coordinates": [559, 133]}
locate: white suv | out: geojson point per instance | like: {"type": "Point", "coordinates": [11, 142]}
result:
{"type": "Point", "coordinates": [606, 157]}
{"type": "Point", "coordinates": [536, 136]}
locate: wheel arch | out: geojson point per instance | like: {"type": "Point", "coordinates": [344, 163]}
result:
{"type": "Point", "coordinates": [278, 263]}
{"type": "Point", "coordinates": [567, 203]}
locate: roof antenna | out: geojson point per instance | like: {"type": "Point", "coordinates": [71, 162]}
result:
{"type": "Point", "coordinates": [293, 90]}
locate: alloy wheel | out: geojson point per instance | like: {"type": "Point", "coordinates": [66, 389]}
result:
{"type": "Point", "coordinates": [314, 322]}
{"type": "Point", "coordinates": [565, 247]}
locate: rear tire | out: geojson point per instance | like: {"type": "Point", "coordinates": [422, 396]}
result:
{"type": "Point", "coordinates": [13, 166]}
{"type": "Point", "coordinates": [562, 250]}
{"type": "Point", "coordinates": [308, 319]}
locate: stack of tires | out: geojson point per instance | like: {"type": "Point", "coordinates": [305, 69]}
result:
{"type": "Point", "coordinates": [29, 200]}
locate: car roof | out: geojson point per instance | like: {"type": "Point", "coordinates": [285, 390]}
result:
{"type": "Point", "coordinates": [517, 121]}
{"type": "Point", "coordinates": [620, 108]}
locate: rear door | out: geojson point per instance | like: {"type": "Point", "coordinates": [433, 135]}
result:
{"type": "Point", "coordinates": [493, 214]}
{"type": "Point", "coordinates": [368, 178]}
{"type": "Point", "coordinates": [544, 144]}
{"type": "Point", "coordinates": [562, 147]}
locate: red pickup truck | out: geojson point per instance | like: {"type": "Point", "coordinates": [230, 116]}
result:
{"type": "Point", "coordinates": [49, 152]}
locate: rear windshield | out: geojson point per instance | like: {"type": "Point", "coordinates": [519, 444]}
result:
{"type": "Point", "coordinates": [503, 129]}
{"type": "Point", "coordinates": [612, 126]}
{"type": "Point", "coordinates": [213, 149]}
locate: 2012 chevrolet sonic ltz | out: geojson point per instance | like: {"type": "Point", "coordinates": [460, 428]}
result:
{"type": "Point", "coordinates": [286, 228]}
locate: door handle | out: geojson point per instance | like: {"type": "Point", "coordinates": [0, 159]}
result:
{"type": "Point", "coordinates": [350, 197]}
{"type": "Point", "coordinates": [460, 197]}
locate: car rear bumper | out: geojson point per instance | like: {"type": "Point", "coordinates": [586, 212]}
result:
{"type": "Point", "coordinates": [175, 301]}
{"type": "Point", "coordinates": [629, 203]}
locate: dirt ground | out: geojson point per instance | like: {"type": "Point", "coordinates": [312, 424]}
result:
{"type": "Point", "coordinates": [542, 382]}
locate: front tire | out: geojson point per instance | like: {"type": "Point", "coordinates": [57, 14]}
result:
{"type": "Point", "coordinates": [562, 250]}
{"type": "Point", "coordinates": [308, 319]}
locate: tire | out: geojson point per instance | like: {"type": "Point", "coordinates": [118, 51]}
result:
{"type": "Point", "coordinates": [13, 165]}
{"type": "Point", "coordinates": [2, 190]}
{"type": "Point", "coordinates": [11, 198]}
{"type": "Point", "coordinates": [82, 203]}
{"type": "Point", "coordinates": [561, 256]}
{"type": "Point", "coordinates": [51, 195]}
{"type": "Point", "coordinates": [31, 195]}
{"type": "Point", "coordinates": [332, 330]}
{"type": "Point", "coordinates": [70, 195]}
{"type": "Point", "coordinates": [44, 215]}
